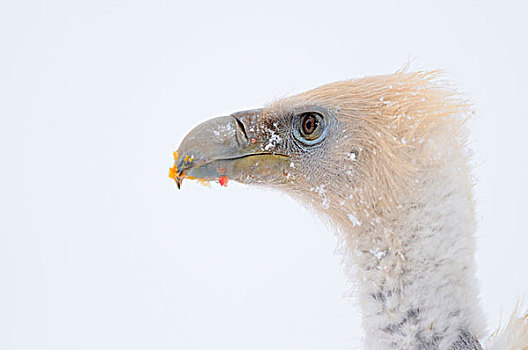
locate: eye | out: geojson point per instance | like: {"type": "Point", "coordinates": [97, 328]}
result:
{"type": "Point", "coordinates": [309, 124]}
{"type": "Point", "coordinates": [310, 127]}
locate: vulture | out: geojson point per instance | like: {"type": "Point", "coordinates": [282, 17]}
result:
{"type": "Point", "coordinates": [386, 160]}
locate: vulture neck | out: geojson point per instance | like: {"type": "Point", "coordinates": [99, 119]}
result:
{"type": "Point", "coordinates": [414, 265]}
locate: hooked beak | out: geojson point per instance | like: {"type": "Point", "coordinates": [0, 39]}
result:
{"type": "Point", "coordinates": [231, 147]}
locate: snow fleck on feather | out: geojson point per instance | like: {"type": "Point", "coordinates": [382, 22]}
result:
{"type": "Point", "coordinates": [354, 220]}
{"type": "Point", "coordinates": [273, 140]}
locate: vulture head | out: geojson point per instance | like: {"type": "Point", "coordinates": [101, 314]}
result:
{"type": "Point", "coordinates": [349, 147]}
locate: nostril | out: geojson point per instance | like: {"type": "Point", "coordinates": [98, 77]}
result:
{"type": "Point", "coordinates": [241, 132]}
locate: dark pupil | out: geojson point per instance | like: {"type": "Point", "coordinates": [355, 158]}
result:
{"type": "Point", "coordinates": [309, 125]}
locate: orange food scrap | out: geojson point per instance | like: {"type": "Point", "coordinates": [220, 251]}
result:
{"type": "Point", "coordinates": [223, 181]}
{"type": "Point", "coordinates": [172, 173]}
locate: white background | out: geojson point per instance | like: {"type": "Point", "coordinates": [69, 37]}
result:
{"type": "Point", "coordinates": [98, 250]}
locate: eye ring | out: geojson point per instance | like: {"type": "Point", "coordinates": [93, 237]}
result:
{"type": "Point", "coordinates": [310, 127]}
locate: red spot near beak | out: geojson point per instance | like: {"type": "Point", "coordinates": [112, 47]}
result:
{"type": "Point", "coordinates": [223, 181]}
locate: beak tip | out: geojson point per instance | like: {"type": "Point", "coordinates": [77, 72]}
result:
{"type": "Point", "coordinates": [176, 175]}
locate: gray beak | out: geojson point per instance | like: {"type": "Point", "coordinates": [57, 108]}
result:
{"type": "Point", "coordinates": [230, 147]}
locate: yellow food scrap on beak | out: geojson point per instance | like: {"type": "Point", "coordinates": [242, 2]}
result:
{"type": "Point", "coordinates": [173, 171]}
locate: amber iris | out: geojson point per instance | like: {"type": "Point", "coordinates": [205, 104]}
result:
{"type": "Point", "coordinates": [309, 123]}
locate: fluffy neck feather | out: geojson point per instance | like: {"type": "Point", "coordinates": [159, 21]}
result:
{"type": "Point", "coordinates": [414, 264]}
